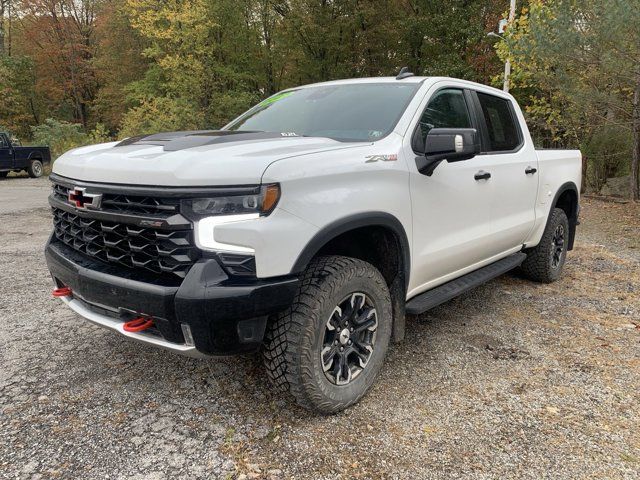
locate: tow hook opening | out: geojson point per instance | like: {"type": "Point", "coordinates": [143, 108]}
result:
{"type": "Point", "coordinates": [62, 292]}
{"type": "Point", "coordinates": [138, 324]}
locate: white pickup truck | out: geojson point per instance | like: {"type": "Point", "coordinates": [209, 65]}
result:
{"type": "Point", "coordinates": [310, 225]}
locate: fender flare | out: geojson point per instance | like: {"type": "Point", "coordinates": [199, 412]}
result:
{"type": "Point", "coordinates": [352, 222]}
{"type": "Point", "coordinates": [573, 218]}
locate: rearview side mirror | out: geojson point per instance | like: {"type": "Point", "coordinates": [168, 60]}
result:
{"type": "Point", "coordinates": [450, 144]}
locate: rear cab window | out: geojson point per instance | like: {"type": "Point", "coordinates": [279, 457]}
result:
{"type": "Point", "coordinates": [503, 131]}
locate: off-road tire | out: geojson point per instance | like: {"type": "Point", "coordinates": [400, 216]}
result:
{"type": "Point", "coordinates": [294, 338]}
{"type": "Point", "coordinates": [35, 169]}
{"type": "Point", "coordinates": [538, 265]}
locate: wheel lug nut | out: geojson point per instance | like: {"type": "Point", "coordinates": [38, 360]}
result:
{"type": "Point", "coordinates": [350, 342]}
{"type": "Point", "coordinates": [341, 349]}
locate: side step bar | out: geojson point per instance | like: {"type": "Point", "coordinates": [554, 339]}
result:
{"type": "Point", "coordinates": [434, 297]}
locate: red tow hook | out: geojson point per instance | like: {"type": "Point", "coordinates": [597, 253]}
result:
{"type": "Point", "coordinates": [62, 292]}
{"type": "Point", "coordinates": [137, 324]}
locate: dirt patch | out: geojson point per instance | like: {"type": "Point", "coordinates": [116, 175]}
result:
{"type": "Point", "coordinates": [615, 226]}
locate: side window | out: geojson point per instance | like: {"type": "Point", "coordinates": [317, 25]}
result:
{"type": "Point", "coordinates": [3, 144]}
{"type": "Point", "coordinates": [446, 109]}
{"type": "Point", "coordinates": [501, 125]}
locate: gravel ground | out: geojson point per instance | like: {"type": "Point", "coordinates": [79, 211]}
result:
{"type": "Point", "coordinates": [513, 380]}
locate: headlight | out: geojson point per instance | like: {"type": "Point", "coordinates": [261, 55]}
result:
{"type": "Point", "coordinates": [211, 212]}
{"type": "Point", "coordinates": [262, 203]}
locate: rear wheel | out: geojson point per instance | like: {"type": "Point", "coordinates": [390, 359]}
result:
{"type": "Point", "coordinates": [328, 347]}
{"type": "Point", "coordinates": [544, 262]}
{"type": "Point", "coordinates": [35, 169]}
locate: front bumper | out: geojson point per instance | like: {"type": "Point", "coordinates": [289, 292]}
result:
{"type": "Point", "coordinates": [224, 316]}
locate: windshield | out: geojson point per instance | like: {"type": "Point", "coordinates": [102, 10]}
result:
{"type": "Point", "coordinates": [348, 112]}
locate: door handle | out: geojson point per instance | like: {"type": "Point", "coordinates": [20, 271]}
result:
{"type": "Point", "coordinates": [530, 170]}
{"type": "Point", "coordinates": [482, 175]}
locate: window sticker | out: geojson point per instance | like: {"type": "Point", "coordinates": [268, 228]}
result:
{"type": "Point", "coordinates": [274, 98]}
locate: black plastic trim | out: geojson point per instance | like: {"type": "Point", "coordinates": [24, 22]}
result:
{"type": "Point", "coordinates": [573, 218]}
{"type": "Point", "coordinates": [109, 290]}
{"type": "Point", "coordinates": [226, 316]}
{"type": "Point", "coordinates": [174, 222]}
{"type": "Point", "coordinates": [352, 222]}
{"type": "Point", "coordinates": [443, 293]}
{"type": "Point", "coordinates": [159, 191]}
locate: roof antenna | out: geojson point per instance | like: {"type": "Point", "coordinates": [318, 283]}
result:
{"type": "Point", "coordinates": [404, 73]}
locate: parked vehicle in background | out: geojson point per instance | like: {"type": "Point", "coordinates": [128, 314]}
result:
{"type": "Point", "coordinates": [310, 225]}
{"type": "Point", "coordinates": [15, 158]}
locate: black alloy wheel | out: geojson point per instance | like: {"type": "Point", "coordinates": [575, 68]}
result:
{"type": "Point", "coordinates": [349, 338]}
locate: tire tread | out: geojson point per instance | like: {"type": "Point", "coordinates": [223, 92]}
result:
{"type": "Point", "coordinates": [289, 338]}
{"type": "Point", "coordinates": [536, 266]}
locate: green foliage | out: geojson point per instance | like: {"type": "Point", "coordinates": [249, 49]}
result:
{"type": "Point", "coordinates": [118, 64]}
{"type": "Point", "coordinates": [62, 136]}
{"type": "Point", "coordinates": [139, 64]}
{"type": "Point", "coordinates": [576, 67]}
{"type": "Point", "coordinates": [100, 134]}
{"type": "Point", "coordinates": [204, 54]}
{"type": "Point", "coordinates": [222, 56]}
{"type": "Point", "coordinates": [128, 67]}
{"type": "Point", "coordinates": [609, 150]}
{"type": "Point", "coordinates": [17, 109]}
{"type": "Point", "coordinates": [161, 115]}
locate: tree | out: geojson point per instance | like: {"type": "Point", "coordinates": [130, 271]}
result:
{"type": "Point", "coordinates": [161, 115]}
{"type": "Point", "coordinates": [115, 61]}
{"type": "Point", "coordinates": [5, 27]}
{"type": "Point", "coordinates": [19, 106]}
{"type": "Point", "coordinates": [449, 38]}
{"type": "Point", "coordinates": [63, 136]}
{"type": "Point", "coordinates": [577, 62]}
{"type": "Point", "coordinates": [118, 62]}
{"type": "Point", "coordinates": [60, 36]}
{"type": "Point", "coordinates": [203, 52]}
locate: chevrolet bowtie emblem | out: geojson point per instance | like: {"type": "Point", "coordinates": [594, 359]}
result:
{"type": "Point", "coordinates": [81, 199]}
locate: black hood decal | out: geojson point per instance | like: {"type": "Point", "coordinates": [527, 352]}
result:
{"type": "Point", "coordinates": [174, 141]}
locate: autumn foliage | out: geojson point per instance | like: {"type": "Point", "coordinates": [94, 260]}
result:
{"type": "Point", "coordinates": [139, 65]}
{"type": "Point", "coordinates": [124, 67]}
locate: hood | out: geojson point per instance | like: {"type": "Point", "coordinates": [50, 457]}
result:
{"type": "Point", "coordinates": [198, 158]}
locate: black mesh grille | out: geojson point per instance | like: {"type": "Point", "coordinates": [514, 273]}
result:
{"type": "Point", "coordinates": [128, 204]}
{"type": "Point", "coordinates": [159, 251]}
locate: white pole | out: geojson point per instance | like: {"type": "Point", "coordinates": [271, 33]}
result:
{"type": "Point", "coordinates": [507, 64]}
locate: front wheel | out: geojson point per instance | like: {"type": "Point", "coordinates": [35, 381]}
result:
{"type": "Point", "coordinates": [544, 262]}
{"type": "Point", "coordinates": [35, 169]}
{"type": "Point", "coordinates": [328, 347]}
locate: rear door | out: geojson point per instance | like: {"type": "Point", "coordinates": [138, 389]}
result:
{"type": "Point", "coordinates": [513, 165]}
{"type": "Point", "coordinates": [6, 153]}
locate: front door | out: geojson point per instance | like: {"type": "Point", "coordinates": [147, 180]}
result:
{"type": "Point", "coordinates": [451, 208]}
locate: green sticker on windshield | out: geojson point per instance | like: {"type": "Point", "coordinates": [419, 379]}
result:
{"type": "Point", "coordinates": [274, 99]}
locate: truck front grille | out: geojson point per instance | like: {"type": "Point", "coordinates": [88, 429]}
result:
{"type": "Point", "coordinates": [156, 250]}
{"type": "Point", "coordinates": [128, 204]}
